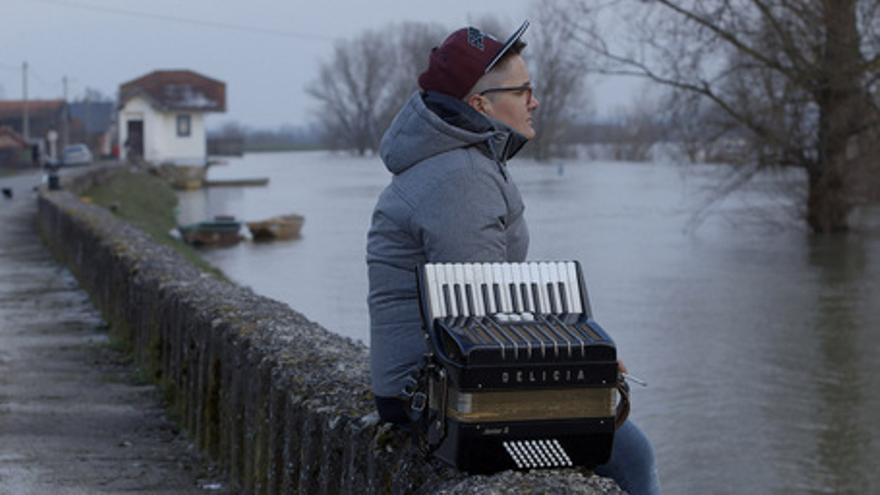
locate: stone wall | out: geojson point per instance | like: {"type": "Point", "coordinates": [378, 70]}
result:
{"type": "Point", "coordinates": [281, 403]}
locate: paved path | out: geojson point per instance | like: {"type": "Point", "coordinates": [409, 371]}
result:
{"type": "Point", "coordinates": [73, 417]}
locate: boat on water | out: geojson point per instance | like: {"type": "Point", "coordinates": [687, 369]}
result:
{"type": "Point", "coordinates": [182, 177]}
{"type": "Point", "coordinates": [256, 181]}
{"type": "Point", "coordinates": [222, 231]}
{"type": "Point", "coordinates": [280, 227]}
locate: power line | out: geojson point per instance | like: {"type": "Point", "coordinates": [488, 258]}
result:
{"type": "Point", "coordinates": [185, 20]}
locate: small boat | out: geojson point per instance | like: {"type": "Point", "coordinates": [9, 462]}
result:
{"type": "Point", "coordinates": [280, 227]}
{"type": "Point", "coordinates": [257, 181]}
{"type": "Point", "coordinates": [183, 177]}
{"type": "Point", "coordinates": [222, 231]}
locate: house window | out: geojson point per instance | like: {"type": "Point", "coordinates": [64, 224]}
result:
{"type": "Point", "coordinates": [183, 125]}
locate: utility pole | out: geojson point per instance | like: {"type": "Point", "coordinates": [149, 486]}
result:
{"type": "Point", "coordinates": [65, 116]}
{"type": "Point", "coordinates": [25, 118]}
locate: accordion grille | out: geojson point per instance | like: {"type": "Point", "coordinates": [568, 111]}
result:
{"type": "Point", "coordinates": [527, 454]}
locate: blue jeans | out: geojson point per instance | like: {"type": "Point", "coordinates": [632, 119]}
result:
{"type": "Point", "coordinates": [632, 462]}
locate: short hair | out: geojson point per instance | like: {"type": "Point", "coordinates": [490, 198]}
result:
{"type": "Point", "coordinates": [488, 79]}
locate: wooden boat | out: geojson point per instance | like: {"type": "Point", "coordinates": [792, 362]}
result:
{"type": "Point", "coordinates": [280, 227]}
{"type": "Point", "coordinates": [183, 177]}
{"type": "Point", "coordinates": [257, 181]}
{"type": "Point", "coordinates": [222, 231]}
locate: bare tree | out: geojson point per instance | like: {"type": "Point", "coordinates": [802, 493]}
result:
{"type": "Point", "coordinates": [413, 42]}
{"type": "Point", "coordinates": [639, 128]}
{"type": "Point", "coordinates": [794, 79]}
{"type": "Point", "coordinates": [351, 89]}
{"type": "Point", "coordinates": [367, 80]}
{"type": "Point", "coordinates": [91, 94]}
{"type": "Point", "coordinates": [559, 77]}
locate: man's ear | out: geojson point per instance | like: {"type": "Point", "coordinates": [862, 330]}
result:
{"type": "Point", "coordinates": [477, 102]}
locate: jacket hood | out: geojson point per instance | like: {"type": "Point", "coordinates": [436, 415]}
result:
{"type": "Point", "coordinates": [432, 123]}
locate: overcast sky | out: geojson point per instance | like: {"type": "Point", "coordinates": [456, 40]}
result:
{"type": "Point", "coordinates": [266, 51]}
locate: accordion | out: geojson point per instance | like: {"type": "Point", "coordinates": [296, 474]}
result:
{"type": "Point", "coordinates": [518, 375]}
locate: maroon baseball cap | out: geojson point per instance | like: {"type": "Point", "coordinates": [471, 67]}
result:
{"type": "Point", "coordinates": [455, 66]}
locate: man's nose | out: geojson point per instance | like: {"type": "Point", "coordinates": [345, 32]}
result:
{"type": "Point", "coordinates": [534, 103]}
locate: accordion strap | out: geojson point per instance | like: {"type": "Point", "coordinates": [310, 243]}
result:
{"type": "Point", "coordinates": [623, 405]}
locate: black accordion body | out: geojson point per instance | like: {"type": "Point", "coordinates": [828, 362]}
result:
{"type": "Point", "coordinates": [518, 374]}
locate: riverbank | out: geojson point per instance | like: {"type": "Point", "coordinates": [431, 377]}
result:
{"type": "Point", "coordinates": [13, 171]}
{"type": "Point", "coordinates": [148, 203]}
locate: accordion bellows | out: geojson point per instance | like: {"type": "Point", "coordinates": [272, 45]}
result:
{"type": "Point", "coordinates": [519, 375]}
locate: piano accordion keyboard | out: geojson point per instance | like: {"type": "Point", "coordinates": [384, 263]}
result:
{"type": "Point", "coordinates": [481, 289]}
{"type": "Point", "coordinates": [524, 310]}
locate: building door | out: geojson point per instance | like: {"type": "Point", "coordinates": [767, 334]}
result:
{"type": "Point", "coordinates": [134, 145]}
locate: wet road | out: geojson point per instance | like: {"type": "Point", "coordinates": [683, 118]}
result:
{"type": "Point", "coordinates": [74, 418]}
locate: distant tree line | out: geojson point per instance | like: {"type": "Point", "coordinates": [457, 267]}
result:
{"type": "Point", "coordinates": [233, 138]}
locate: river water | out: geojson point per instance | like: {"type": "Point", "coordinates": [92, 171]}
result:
{"type": "Point", "coordinates": [760, 343]}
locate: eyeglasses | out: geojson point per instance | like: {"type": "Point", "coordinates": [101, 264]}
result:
{"type": "Point", "coordinates": [525, 89]}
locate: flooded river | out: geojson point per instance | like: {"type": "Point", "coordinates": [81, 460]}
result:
{"type": "Point", "coordinates": [760, 343]}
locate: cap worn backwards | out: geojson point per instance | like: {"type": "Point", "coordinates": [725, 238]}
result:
{"type": "Point", "coordinates": [456, 65]}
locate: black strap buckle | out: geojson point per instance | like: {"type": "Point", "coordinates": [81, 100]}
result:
{"type": "Point", "coordinates": [418, 402]}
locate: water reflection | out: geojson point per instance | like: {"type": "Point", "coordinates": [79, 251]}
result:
{"type": "Point", "coordinates": [204, 204]}
{"type": "Point", "coordinates": [844, 441]}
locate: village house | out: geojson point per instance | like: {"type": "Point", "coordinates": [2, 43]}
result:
{"type": "Point", "coordinates": [14, 150]}
{"type": "Point", "coordinates": [43, 116]}
{"type": "Point", "coordinates": [162, 116]}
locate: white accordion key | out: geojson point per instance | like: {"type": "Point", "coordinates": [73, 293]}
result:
{"type": "Point", "coordinates": [559, 292]}
{"type": "Point", "coordinates": [443, 287]}
{"type": "Point", "coordinates": [537, 289]}
{"type": "Point", "coordinates": [574, 289]}
{"type": "Point", "coordinates": [473, 276]}
{"type": "Point", "coordinates": [519, 304]}
{"type": "Point", "coordinates": [459, 290]}
{"type": "Point", "coordinates": [490, 296]}
{"type": "Point", "coordinates": [504, 294]}
{"type": "Point", "coordinates": [433, 293]}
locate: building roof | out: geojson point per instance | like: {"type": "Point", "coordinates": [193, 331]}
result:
{"type": "Point", "coordinates": [177, 90]}
{"type": "Point", "coordinates": [9, 139]}
{"type": "Point", "coordinates": [15, 108]}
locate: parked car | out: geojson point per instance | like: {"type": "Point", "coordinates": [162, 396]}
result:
{"type": "Point", "coordinates": [76, 154]}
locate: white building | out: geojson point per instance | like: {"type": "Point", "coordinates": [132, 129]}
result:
{"type": "Point", "coordinates": [162, 116]}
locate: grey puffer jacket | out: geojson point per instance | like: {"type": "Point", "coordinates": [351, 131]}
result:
{"type": "Point", "coordinates": [451, 199]}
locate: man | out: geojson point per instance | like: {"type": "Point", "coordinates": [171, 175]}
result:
{"type": "Point", "coordinates": [452, 199]}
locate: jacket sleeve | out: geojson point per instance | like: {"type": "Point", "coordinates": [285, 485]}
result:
{"type": "Point", "coordinates": [463, 219]}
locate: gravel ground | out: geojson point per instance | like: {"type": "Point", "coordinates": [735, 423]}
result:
{"type": "Point", "coordinates": [74, 416]}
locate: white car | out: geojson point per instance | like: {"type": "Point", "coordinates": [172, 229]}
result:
{"type": "Point", "coordinates": [76, 154]}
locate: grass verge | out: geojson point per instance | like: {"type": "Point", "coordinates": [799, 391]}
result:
{"type": "Point", "coordinates": [148, 203]}
{"type": "Point", "coordinates": [10, 171]}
